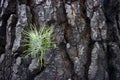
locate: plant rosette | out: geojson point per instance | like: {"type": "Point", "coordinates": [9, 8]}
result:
{"type": "Point", "coordinates": [38, 41]}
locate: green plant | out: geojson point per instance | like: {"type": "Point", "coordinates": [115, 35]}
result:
{"type": "Point", "coordinates": [38, 41]}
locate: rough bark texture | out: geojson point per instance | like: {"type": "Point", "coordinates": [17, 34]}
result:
{"type": "Point", "coordinates": [87, 33]}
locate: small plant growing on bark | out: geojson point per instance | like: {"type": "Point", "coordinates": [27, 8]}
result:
{"type": "Point", "coordinates": [38, 41]}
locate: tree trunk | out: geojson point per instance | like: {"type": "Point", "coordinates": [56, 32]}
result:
{"type": "Point", "coordinates": [86, 32]}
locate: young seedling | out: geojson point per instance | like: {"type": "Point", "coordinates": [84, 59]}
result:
{"type": "Point", "coordinates": [38, 41]}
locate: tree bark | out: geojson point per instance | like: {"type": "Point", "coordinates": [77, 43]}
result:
{"type": "Point", "coordinates": [87, 33]}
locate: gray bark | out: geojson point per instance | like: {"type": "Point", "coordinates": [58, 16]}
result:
{"type": "Point", "coordinates": [87, 33]}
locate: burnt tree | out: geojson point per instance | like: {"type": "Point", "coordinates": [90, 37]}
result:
{"type": "Point", "coordinates": [87, 33]}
